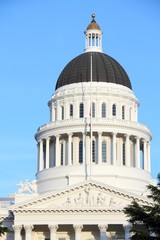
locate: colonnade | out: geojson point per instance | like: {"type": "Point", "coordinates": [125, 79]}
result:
{"type": "Point", "coordinates": [28, 229]}
{"type": "Point", "coordinates": [122, 150]}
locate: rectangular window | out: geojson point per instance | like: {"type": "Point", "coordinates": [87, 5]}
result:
{"type": "Point", "coordinates": [81, 151]}
{"type": "Point", "coordinates": [124, 153]}
{"type": "Point", "coordinates": [71, 110]}
{"type": "Point", "coordinates": [123, 112]}
{"type": "Point", "coordinates": [61, 153]}
{"type": "Point", "coordinates": [93, 152]}
{"type": "Point", "coordinates": [104, 159]}
{"type": "Point", "coordinates": [93, 109]}
{"type": "Point", "coordinates": [81, 110]}
{"type": "Point", "coordinates": [103, 110]}
{"type": "Point", "coordinates": [114, 110]}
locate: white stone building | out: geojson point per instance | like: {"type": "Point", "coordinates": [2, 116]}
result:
{"type": "Point", "coordinates": [93, 156]}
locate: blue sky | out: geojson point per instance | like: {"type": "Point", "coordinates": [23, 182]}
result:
{"type": "Point", "coordinates": [38, 38]}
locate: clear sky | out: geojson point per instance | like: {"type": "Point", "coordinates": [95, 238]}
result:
{"type": "Point", "coordinates": [38, 38]}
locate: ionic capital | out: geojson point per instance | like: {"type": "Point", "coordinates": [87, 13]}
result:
{"type": "Point", "coordinates": [53, 228]}
{"type": "Point", "coordinates": [103, 228]}
{"type": "Point", "coordinates": [28, 228]}
{"type": "Point", "coordinates": [78, 228]}
{"type": "Point", "coordinates": [17, 228]}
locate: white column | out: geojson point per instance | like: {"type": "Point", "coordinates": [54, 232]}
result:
{"type": "Point", "coordinates": [114, 157]}
{"type": "Point", "coordinates": [127, 151]}
{"type": "Point", "coordinates": [53, 231]}
{"type": "Point", "coordinates": [78, 229]}
{"type": "Point", "coordinates": [57, 160]}
{"type": "Point", "coordinates": [28, 232]}
{"type": "Point", "coordinates": [17, 232]}
{"type": "Point", "coordinates": [52, 112]}
{"type": "Point", "coordinates": [137, 150]}
{"type": "Point", "coordinates": [41, 164]}
{"type": "Point", "coordinates": [103, 229]}
{"type": "Point", "coordinates": [148, 154]}
{"type": "Point", "coordinates": [145, 154]}
{"type": "Point", "coordinates": [127, 233]}
{"type": "Point", "coordinates": [69, 148]}
{"type": "Point", "coordinates": [99, 148]}
{"type": "Point", "coordinates": [38, 157]}
{"type": "Point", "coordinates": [47, 152]}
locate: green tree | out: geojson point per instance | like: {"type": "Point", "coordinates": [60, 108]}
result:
{"type": "Point", "coordinates": [3, 230]}
{"type": "Point", "coordinates": [145, 219]}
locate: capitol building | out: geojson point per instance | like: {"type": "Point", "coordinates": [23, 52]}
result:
{"type": "Point", "coordinates": [93, 156]}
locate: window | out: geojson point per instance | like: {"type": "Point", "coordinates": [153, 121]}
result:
{"type": "Point", "coordinates": [81, 151]}
{"type": "Point", "coordinates": [93, 151]}
{"type": "Point", "coordinates": [81, 110]}
{"type": "Point", "coordinates": [103, 110]}
{"type": "Point", "coordinates": [123, 153]}
{"type": "Point", "coordinates": [123, 112]}
{"type": "Point", "coordinates": [93, 109]}
{"type": "Point", "coordinates": [71, 110]}
{"type": "Point", "coordinates": [61, 153]}
{"type": "Point", "coordinates": [114, 110]}
{"type": "Point", "coordinates": [62, 112]}
{"type": "Point", "coordinates": [104, 148]}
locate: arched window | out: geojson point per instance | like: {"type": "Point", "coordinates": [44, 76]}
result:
{"type": "Point", "coordinates": [81, 110]}
{"type": "Point", "coordinates": [81, 151]}
{"type": "Point", "coordinates": [123, 112]}
{"type": "Point", "coordinates": [104, 151]}
{"type": "Point", "coordinates": [71, 110]}
{"type": "Point", "coordinates": [103, 110]}
{"type": "Point", "coordinates": [93, 109]}
{"type": "Point", "coordinates": [124, 153]}
{"type": "Point", "coordinates": [114, 110]}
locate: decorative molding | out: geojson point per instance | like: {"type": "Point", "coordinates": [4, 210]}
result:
{"type": "Point", "coordinates": [84, 198]}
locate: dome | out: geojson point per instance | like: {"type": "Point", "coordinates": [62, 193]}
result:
{"type": "Point", "coordinates": [104, 69]}
{"type": "Point", "coordinates": [93, 24]}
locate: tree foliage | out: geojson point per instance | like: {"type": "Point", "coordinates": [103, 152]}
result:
{"type": "Point", "coordinates": [145, 219]}
{"type": "Point", "coordinates": [3, 230]}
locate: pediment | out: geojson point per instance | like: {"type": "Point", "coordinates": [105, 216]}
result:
{"type": "Point", "coordinates": [89, 195]}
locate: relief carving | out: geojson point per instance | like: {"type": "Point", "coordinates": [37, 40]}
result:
{"type": "Point", "coordinates": [90, 198]}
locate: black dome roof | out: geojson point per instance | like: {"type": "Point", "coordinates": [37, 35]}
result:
{"type": "Point", "coordinates": [104, 69]}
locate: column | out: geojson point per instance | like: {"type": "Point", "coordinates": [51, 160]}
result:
{"type": "Point", "coordinates": [148, 157]}
{"type": "Point", "coordinates": [103, 229]}
{"type": "Point", "coordinates": [53, 231]}
{"type": "Point", "coordinates": [78, 229]}
{"type": "Point", "coordinates": [38, 157]}
{"type": "Point", "coordinates": [145, 154]}
{"type": "Point", "coordinates": [99, 148]}
{"type": "Point", "coordinates": [127, 233]}
{"type": "Point", "coordinates": [127, 151]}
{"type": "Point", "coordinates": [57, 160]}
{"type": "Point", "coordinates": [69, 148]}
{"type": "Point", "coordinates": [52, 107]}
{"type": "Point", "coordinates": [137, 150]}
{"type": "Point", "coordinates": [47, 152]}
{"type": "Point", "coordinates": [113, 154]}
{"type": "Point", "coordinates": [17, 232]}
{"type": "Point", "coordinates": [41, 164]}
{"type": "Point", "coordinates": [28, 232]}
